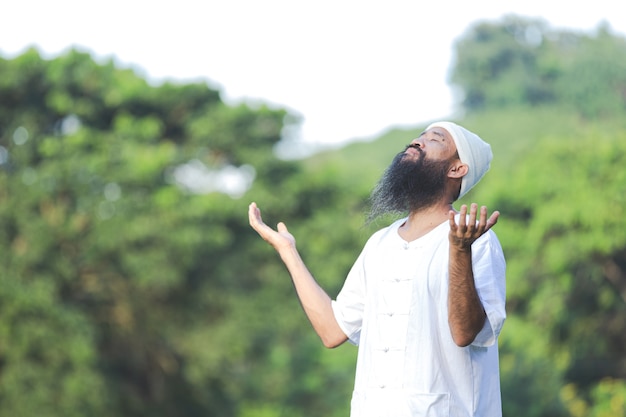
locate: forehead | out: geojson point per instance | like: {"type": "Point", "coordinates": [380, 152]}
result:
{"type": "Point", "coordinates": [438, 131]}
{"type": "Point", "coordinates": [442, 134]}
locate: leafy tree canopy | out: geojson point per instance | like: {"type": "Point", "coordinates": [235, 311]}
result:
{"type": "Point", "coordinates": [522, 61]}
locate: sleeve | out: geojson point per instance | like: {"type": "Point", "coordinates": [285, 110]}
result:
{"type": "Point", "coordinates": [349, 306]}
{"type": "Point", "coordinates": [489, 267]}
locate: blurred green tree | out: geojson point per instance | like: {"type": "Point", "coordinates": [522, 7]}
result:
{"type": "Point", "coordinates": [122, 271]}
{"type": "Point", "coordinates": [522, 61]}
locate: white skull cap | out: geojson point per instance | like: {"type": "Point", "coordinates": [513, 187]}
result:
{"type": "Point", "coordinates": [473, 151]}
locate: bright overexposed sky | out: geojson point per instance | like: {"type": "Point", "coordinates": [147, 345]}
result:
{"type": "Point", "coordinates": [351, 69]}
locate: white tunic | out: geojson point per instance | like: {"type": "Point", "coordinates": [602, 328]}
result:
{"type": "Point", "coordinates": [394, 306]}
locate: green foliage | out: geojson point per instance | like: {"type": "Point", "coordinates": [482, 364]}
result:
{"type": "Point", "coordinates": [49, 355]}
{"type": "Point", "coordinates": [531, 372]}
{"type": "Point", "coordinates": [608, 400]}
{"type": "Point", "coordinates": [497, 64]}
{"type": "Point", "coordinates": [115, 279]}
{"type": "Point", "coordinates": [572, 229]}
{"type": "Point", "coordinates": [521, 61]}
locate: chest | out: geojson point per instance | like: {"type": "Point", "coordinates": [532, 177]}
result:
{"type": "Point", "coordinates": [404, 277]}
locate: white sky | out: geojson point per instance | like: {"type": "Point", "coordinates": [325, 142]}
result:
{"type": "Point", "coordinates": [350, 68]}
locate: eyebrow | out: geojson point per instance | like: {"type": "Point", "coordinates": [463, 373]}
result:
{"type": "Point", "coordinates": [441, 135]}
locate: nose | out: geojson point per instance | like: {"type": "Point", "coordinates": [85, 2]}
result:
{"type": "Point", "coordinates": [417, 143]}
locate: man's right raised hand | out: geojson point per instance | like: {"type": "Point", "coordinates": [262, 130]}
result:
{"type": "Point", "coordinates": [280, 239]}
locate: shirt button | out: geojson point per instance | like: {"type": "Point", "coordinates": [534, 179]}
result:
{"type": "Point", "coordinates": [382, 386]}
{"type": "Point", "coordinates": [386, 350]}
{"type": "Point", "coordinates": [406, 245]}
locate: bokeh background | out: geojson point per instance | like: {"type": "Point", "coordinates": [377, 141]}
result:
{"type": "Point", "coordinates": [133, 137]}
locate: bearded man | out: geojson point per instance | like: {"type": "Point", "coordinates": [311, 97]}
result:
{"type": "Point", "coordinates": [425, 300]}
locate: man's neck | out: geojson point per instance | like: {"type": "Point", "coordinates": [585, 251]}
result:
{"type": "Point", "coordinates": [422, 221]}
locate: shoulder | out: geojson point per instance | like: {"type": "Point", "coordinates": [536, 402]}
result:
{"type": "Point", "coordinates": [384, 236]}
{"type": "Point", "coordinates": [387, 231]}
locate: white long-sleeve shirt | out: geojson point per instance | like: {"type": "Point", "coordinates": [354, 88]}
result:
{"type": "Point", "coordinates": [394, 306]}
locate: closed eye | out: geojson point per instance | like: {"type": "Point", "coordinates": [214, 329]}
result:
{"type": "Point", "coordinates": [438, 137]}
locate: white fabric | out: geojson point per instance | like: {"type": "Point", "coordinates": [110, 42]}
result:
{"type": "Point", "coordinates": [472, 150]}
{"type": "Point", "coordinates": [394, 306]}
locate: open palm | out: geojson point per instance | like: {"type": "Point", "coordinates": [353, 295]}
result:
{"type": "Point", "coordinates": [279, 239]}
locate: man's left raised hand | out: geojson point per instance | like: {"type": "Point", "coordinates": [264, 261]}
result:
{"type": "Point", "coordinates": [465, 233]}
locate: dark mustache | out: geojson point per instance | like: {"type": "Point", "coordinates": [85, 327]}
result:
{"type": "Point", "coordinates": [414, 146]}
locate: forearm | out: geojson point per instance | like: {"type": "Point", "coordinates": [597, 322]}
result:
{"type": "Point", "coordinates": [466, 315]}
{"type": "Point", "coordinates": [314, 300]}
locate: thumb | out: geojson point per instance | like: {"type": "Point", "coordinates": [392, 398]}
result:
{"type": "Point", "coordinates": [282, 228]}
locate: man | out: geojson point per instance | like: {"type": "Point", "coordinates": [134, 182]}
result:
{"type": "Point", "coordinates": [425, 299]}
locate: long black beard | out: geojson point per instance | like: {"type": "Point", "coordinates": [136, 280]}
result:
{"type": "Point", "coordinates": [407, 186]}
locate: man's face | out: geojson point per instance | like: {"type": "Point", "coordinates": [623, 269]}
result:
{"type": "Point", "coordinates": [416, 177]}
{"type": "Point", "coordinates": [436, 143]}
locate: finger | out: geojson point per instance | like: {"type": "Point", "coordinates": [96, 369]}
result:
{"type": "Point", "coordinates": [472, 219]}
{"type": "Point", "coordinates": [254, 214]}
{"type": "Point", "coordinates": [253, 207]}
{"type": "Point", "coordinates": [462, 216]}
{"type": "Point", "coordinates": [493, 219]}
{"type": "Point", "coordinates": [251, 212]}
{"type": "Point", "coordinates": [256, 222]}
{"type": "Point", "coordinates": [452, 221]}
{"type": "Point", "coordinates": [282, 228]}
{"type": "Point", "coordinates": [482, 221]}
